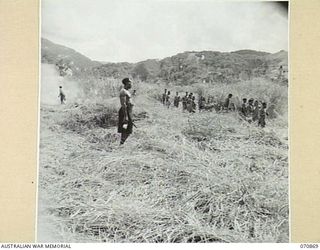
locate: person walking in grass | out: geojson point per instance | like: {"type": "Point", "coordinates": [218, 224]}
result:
{"type": "Point", "coordinates": [255, 112]}
{"type": "Point", "coordinates": [244, 107]}
{"type": "Point", "coordinates": [184, 102]}
{"type": "Point", "coordinates": [262, 115]}
{"type": "Point", "coordinates": [193, 105]}
{"type": "Point", "coordinates": [280, 72]}
{"type": "Point", "coordinates": [250, 107]}
{"type": "Point", "coordinates": [61, 95]}
{"type": "Point", "coordinates": [226, 104]}
{"type": "Point", "coordinates": [125, 121]}
{"type": "Point", "coordinates": [201, 103]}
{"type": "Point", "coordinates": [176, 100]}
{"type": "Point", "coordinates": [189, 102]}
{"type": "Point", "coordinates": [168, 101]}
{"type": "Point", "coordinates": [164, 95]}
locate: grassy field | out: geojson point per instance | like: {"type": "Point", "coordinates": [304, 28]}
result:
{"type": "Point", "coordinates": [203, 177]}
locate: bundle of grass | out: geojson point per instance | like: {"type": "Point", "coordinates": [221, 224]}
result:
{"type": "Point", "coordinates": [90, 116]}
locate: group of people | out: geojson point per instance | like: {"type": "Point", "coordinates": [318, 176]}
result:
{"type": "Point", "coordinates": [254, 111]}
{"type": "Point", "coordinates": [251, 110]}
{"type": "Point", "coordinates": [188, 101]}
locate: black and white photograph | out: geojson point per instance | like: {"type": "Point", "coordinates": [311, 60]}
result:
{"type": "Point", "coordinates": [163, 121]}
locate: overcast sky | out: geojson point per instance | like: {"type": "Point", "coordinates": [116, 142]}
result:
{"type": "Point", "coordinates": [135, 30]}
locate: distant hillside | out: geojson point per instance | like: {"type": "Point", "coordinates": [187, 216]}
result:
{"type": "Point", "coordinates": [205, 66]}
{"type": "Point", "coordinates": [183, 69]}
{"type": "Point", "coordinates": [211, 66]}
{"type": "Point", "coordinates": [57, 54]}
{"type": "Point", "coordinates": [115, 70]}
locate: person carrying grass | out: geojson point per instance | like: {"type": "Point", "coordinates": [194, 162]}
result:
{"type": "Point", "coordinates": [125, 122]}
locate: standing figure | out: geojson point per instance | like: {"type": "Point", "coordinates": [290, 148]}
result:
{"type": "Point", "coordinates": [125, 122]}
{"type": "Point", "coordinates": [184, 102]}
{"type": "Point", "coordinates": [250, 107]}
{"type": "Point", "coordinates": [201, 103]}
{"type": "Point", "coordinates": [164, 95]}
{"type": "Point", "coordinates": [176, 100]}
{"type": "Point", "coordinates": [189, 102]}
{"type": "Point", "coordinates": [280, 72]}
{"type": "Point", "coordinates": [255, 112]}
{"type": "Point", "coordinates": [62, 95]}
{"type": "Point", "coordinates": [262, 115]}
{"type": "Point", "coordinates": [227, 102]}
{"type": "Point", "coordinates": [168, 101]}
{"type": "Point", "coordinates": [244, 107]}
{"type": "Point", "coordinates": [193, 105]}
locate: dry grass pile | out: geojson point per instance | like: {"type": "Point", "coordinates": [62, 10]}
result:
{"type": "Point", "coordinates": [84, 117]}
{"type": "Point", "coordinates": [81, 118]}
{"type": "Point", "coordinates": [191, 178]}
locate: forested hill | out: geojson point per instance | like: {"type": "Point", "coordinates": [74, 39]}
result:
{"type": "Point", "coordinates": [184, 68]}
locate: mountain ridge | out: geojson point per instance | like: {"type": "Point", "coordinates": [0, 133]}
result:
{"type": "Point", "coordinates": [187, 67]}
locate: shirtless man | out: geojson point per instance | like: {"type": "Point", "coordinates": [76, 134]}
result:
{"type": "Point", "coordinates": [61, 95]}
{"type": "Point", "coordinates": [125, 122]}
